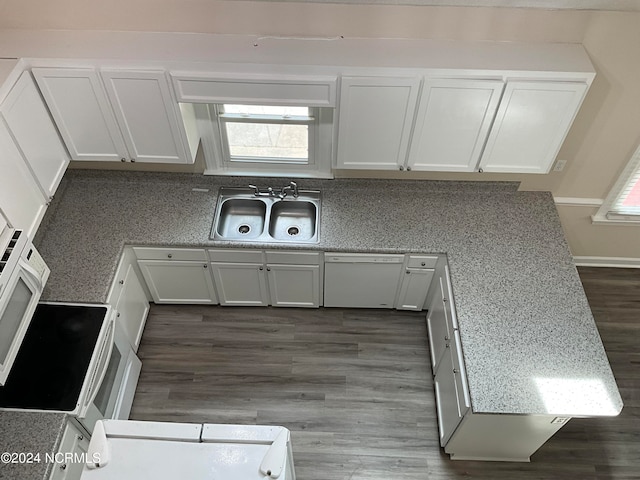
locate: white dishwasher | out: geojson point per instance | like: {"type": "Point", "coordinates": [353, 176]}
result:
{"type": "Point", "coordinates": [361, 280]}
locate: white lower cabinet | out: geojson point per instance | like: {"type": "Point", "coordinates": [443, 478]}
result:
{"type": "Point", "coordinates": [256, 278]}
{"type": "Point", "coordinates": [294, 278]}
{"type": "Point", "coordinates": [241, 283]}
{"type": "Point", "coordinates": [73, 446]}
{"type": "Point", "coordinates": [415, 282]}
{"type": "Point", "coordinates": [177, 275]}
{"type": "Point", "coordinates": [129, 298]}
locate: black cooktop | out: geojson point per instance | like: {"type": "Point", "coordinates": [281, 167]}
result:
{"type": "Point", "coordinates": [54, 357]}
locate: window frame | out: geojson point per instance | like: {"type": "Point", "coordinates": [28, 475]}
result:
{"type": "Point", "coordinates": [607, 213]}
{"type": "Point", "coordinates": [217, 157]}
{"type": "Point", "coordinates": [311, 121]}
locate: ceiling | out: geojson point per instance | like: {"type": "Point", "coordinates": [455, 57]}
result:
{"type": "Point", "coordinates": [617, 5]}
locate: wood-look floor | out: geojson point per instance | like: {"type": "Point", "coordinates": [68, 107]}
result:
{"type": "Point", "coordinates": [355, 388]}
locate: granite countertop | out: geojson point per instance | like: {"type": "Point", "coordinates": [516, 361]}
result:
{"type": "Point", "coordinates": [529, 340]}
{"type": "Point", "coordinates": [30, 433]}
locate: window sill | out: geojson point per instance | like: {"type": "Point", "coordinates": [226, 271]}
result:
{"type": "Point", "coordinates": [603, 220]}
{"type": "Point", "coordinates": [267, 173]}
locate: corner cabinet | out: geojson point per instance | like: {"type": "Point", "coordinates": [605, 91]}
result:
{"type": "Point", "coordinates": [374, 121]}
{"type": "Point", "coordinates": [531, 123]}
{"type": "Point", "coordinates": [115, 115]}
{"type": "Point", "coordinates": [129, 298]}
{"type": "Point", "coordinates": [177, 275]}
{"type": "Point", "coordinates": [34, 133]}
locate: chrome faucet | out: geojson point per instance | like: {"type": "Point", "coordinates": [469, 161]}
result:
{"type": "Point", "coordinates": [274, 192]}
{"type": "Point", "coordinates": [292, 187]}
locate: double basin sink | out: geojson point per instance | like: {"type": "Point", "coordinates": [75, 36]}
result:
{"type": "Point", "coordinates": [243, 216]}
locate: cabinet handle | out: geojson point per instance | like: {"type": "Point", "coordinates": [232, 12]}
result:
{"type": "Point", "coordinates": [118, 315]}
{"type": "Point", "coordinates": [123, 160]}
{"type": "Point", "coordinates": [133, 160]}
{"type": "Point", "coordinates": [206, 266]}
{"type": "Point", "coordinates": [446, 345]}
{"type": "Point", "coordinates": [446, 338]}
{"type": "Point", "coordinates": [170, 255]}
{"type": "Point", "coordinates": [408, 169]}
{"type": "Point", "coordinates": [268, 269]}
{"type": "Point", "coordinates": [121, 282]}
{"type": "Point", "coordinates": [424, 264]}
{"type": "Point", "coordinates": [80, 437]}
{"type": "Point", "coordinates": [401, 168]}
{"type": "Point", "coordinates": [480, 170]}
{"type": "Point", "coordinates": [455, 370]}
{"type": "Point", "coordinates": [408, 272]}
{"type": "Point", "coordinates": [261, 268]}
{"type": "Point", "coordinates": [63, 466]}
{"type": "Point", "coordinates": [444, 300]}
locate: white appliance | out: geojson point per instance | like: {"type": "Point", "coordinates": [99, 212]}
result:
{"type": "Point", "coordinates": [131, 450]}
{"type": "Point", "coordinates": [361, 280]}
{"type": "Point", "coordinates": [23, 275]}
{"type": "Point", "coordinates": [75, 359]}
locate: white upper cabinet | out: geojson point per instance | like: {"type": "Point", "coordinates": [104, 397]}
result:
{"type": "Point", "coordinates": [35, 134]}
{"type": "Point", "coordinates": [117, 115]}
{"type": "Point", "coordinates": [147, 115]}
{"type": "Point", "coordinates": [81, 110]}
{"type": "Point", "coordinates": [21, 200]}
{"type": "Point", "coordinates": [375, 119]}
{"type": "Point", "coordinates": [530, 126]}
{"type": "Point", "coordinates": [453, 121]}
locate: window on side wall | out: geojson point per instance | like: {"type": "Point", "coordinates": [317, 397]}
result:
{"type": "Point", "coordinates": [623, 202]}
{"type": "Point", "coordinates": [272, 140]}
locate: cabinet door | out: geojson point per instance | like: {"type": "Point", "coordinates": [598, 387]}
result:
{"type": "Point", "coordinates": [449, 415]}
{"type": "Point", "coordinates": [374, 121]}
{"type": "Point", "coordinates": [294, 285]}
{"type": "Point", "coordinates": [21, 199]}
{"type": "Point", "coordinates": [178, 281]}
{"type": "Point", "coordinates": [81, 110]}
{"type": "Point", "coordinates": [132, 307]}
{"type": "Point", "coordinates": [439, 327]}
{"type": "Point", "coordinates": [530, 126]}
{"type": "Point", "coordinates": [147, 115]}
{"type": "Point", "coordinates": [74, 441]}
{"type": "Point", "coordinates": [241, 283]}
{"type": "Point", "coordinates": [35, 134]}
{"type": "Point", "coordinates": [413, 289]}
{"type": "Point", "coordinates": [453, 122]}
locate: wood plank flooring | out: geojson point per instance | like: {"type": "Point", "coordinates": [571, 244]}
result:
{"type": "Point", "coordinates": [355, 388]}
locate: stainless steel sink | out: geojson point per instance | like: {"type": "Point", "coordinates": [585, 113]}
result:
{"type": "Point", "coordinates": [293, 220]}
{"type": "Point", "coordinates": [242, 216]}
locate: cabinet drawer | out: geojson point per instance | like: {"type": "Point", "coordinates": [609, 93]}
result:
{"type": "Point", "coordinates": [422, 261]}
{"type": "Point", "coordinates": [148, 253]}
{"type": "Point", "coordinates": [294, 258]}
{"type": "Point", "coordinates": [236, 256]}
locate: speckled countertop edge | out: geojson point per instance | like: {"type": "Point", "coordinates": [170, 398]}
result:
{"type": "Point", "coordinates": [498, 241]}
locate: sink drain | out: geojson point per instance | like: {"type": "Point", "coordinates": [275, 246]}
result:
{"type": "Point", "coordinates": [293, 231]}
{"type": "Point", "coordinates": [244, 229]}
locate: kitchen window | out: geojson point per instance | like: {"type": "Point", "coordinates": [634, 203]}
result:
{"type": "Point", "coordinates": [270, 140]}
{"type": "Point", "coordinates": [623, 203]}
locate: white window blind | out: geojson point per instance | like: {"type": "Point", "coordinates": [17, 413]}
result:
{"type": "Point", "coordinates": [623, 202]}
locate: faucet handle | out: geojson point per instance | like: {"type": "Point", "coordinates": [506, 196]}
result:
{"type": "Point", "coordinates": [256, 190]}
{"type": "Point", "coordinates": [294, 187]}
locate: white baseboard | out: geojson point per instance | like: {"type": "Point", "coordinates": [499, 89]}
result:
{"type": "Point", "coordinates": [618, 262]}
